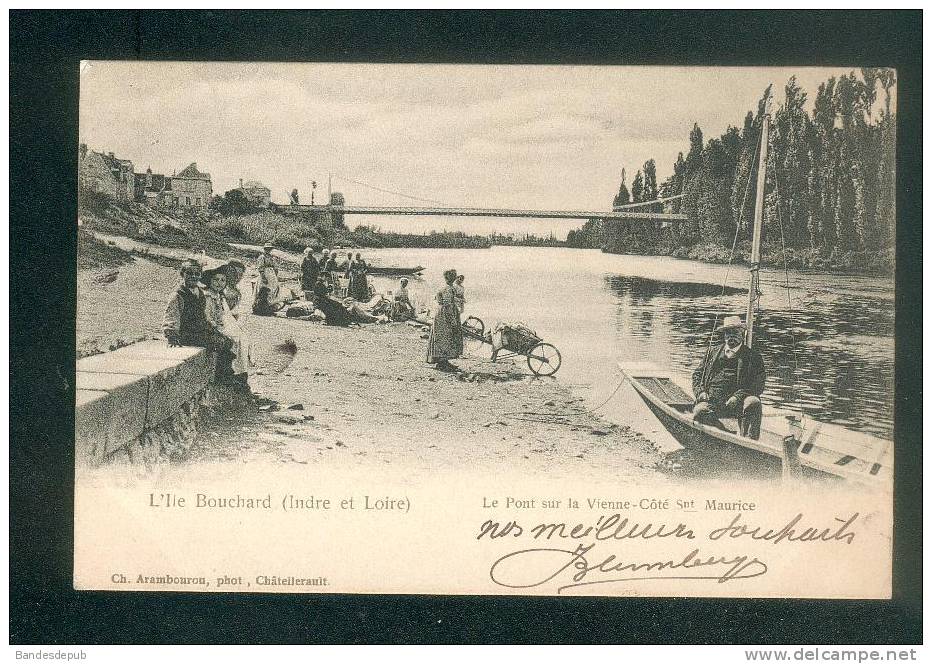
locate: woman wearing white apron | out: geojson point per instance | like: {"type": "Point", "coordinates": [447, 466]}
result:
{"type": "Point", "coordinates": [225, 324]}
{"type": "Point", "coordinates": [267, 265]}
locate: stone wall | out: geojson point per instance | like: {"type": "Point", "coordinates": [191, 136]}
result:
{"type": "Point", "coordinates": [141, 403]}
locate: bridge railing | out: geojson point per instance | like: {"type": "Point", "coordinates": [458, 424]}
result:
{"type": "Point", "coordinates": [487, 212]}
{"type": "Point", "coordinates": [505, 212]}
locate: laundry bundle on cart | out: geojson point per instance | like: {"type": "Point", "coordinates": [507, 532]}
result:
{"type": "Point", "coordinates": [514, 337]}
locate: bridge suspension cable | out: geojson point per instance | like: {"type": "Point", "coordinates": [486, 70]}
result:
{"type": "Point", "coordinates": [389, 191]}
{"type": "Point", "coordinates": [628, 206]}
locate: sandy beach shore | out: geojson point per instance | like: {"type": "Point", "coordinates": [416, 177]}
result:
{"type": "Point", "coordinates": [364, 397]}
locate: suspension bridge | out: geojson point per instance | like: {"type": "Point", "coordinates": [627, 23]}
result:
{"type": "Point", "coordinates": [619, 212]}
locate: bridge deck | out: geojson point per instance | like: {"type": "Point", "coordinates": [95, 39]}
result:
{"type": "Point", "coordinates": [486, 212]}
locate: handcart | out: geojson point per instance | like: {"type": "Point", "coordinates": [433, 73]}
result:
{"type": "Point", "coordinates": [511, 339]}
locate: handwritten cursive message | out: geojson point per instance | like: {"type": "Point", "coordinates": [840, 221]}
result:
{"type": "Point", "coordinates": [579, 554]}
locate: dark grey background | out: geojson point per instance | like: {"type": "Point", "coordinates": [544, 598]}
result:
{"type": "Point", "coordinates": [45, 48]}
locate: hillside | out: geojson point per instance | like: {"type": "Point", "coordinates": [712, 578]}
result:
{"type": "Point", "coordinates": [176, 229]}
{"type": "Point", "coordinates": [212, 231]}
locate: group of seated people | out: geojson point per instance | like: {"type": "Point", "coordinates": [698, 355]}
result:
{"type": "Point", "coordinates": [348, 278]}
{"type": "Point", "coordinates": [370, 310]}
{"type": "Point", "coordinates": [320, 281]}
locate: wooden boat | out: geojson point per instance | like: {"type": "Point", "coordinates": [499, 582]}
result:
{"type": "Point", "coordinates": [393, 270]}
{"type": "Point", "coordinates": [789, 442]}
{"type": "Point", "coordinates": [815, 447]}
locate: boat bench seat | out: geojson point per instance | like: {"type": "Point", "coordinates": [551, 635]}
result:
{"type": "Point", "coordinates": [667, 391]}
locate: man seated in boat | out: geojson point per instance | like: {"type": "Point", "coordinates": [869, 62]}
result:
{"type": "Point", "coordinates": [730, 381]}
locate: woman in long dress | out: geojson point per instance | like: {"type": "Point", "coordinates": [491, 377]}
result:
{"type": "Point", "coordinates": [310, 268]}
{"type": "Point", "coordinates": [267, 265]}
{"type": "Point", "coordinates": [446, 334]}
{"type": "Point", "coordinates": [359, 284]}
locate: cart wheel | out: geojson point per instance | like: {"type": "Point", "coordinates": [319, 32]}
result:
{"type": "Point", "coordinates": [544, 359]}
{"type": "Point", "coordinates": [473, 333]}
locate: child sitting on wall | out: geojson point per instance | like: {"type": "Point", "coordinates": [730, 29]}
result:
{"type": "Point", "coordinates": [185, 322]}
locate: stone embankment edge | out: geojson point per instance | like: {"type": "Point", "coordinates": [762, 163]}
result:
{"type": "Point", "coordinates": [140, 403]}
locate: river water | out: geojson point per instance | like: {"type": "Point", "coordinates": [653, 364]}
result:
{"type": "Point", "coordinates": [827, 340]}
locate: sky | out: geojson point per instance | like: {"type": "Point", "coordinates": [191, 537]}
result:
{"type": "Point", "coordinates": [514, 136]}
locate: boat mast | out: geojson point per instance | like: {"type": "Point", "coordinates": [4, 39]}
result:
{"type": "Point", "coordinates": [758, 222]}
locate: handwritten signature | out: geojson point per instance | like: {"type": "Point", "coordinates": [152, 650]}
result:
{"type": "Point", "coordinates": [530, 568]}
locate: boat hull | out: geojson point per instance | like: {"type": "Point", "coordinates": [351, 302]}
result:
{"type": "Point", "coordinates": [716, 451]}
{"type": "Point", "coordinates": [388, 270]}
{"type": "Point", "coordinates": [822, 450]}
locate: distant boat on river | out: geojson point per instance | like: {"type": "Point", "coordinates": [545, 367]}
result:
{"type": "Point", "coordinates": [393, 270]}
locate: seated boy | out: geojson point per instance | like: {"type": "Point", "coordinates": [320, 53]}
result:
{"type": "Point", "coordinates": [185, 322]}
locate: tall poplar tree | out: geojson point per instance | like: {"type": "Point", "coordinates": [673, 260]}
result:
{"type": "Point", "coordinates": [637, 188]}
{"type": "Point", "coordinates": [831, 176]}
{"type": "Point", "coordinates": [622, 197]}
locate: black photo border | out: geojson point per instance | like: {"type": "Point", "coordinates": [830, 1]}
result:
{"type": "Point", "coordinates": [45, 49]}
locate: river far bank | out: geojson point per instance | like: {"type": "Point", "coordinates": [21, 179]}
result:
{"type": "Point", "coordinates": [215, 233]}
{"type": "Point", "coordinates": [872, 263]}
{"type": "Point", "coordinates": [880, 263]}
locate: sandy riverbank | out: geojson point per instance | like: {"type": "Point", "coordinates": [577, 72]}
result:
{"type": "Point", "coordinates": [373, 399]}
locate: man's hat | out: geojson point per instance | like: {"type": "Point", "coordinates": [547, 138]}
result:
{"type": "Point", "coordinates": [190, 264]}
{"type": "Point", "coordinates": [732, 322]}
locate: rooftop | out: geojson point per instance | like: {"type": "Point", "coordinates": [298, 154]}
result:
{"type": "Point", "coordinates": [159, 182]}
{"type": "Point", "coordinates": [112, 162]}
{"type": "Point", "coordinates": [191, 172]}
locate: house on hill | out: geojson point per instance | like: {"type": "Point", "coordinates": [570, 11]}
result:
{"type": "Point", "coordinates": [189, 189]}
{"type": "Point", "coordinates": [105, 173]}
{"type": "Point", "coordinates": [153, 190]}
{"type": "Point", "coordinates": [256, 193]}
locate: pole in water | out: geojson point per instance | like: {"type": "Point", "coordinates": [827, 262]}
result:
{"type": "Point", "coordinates": [791, 466]}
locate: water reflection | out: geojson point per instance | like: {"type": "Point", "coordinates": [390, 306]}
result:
{"type": "Point", "coordinates": [828, 355]}
{"type": "Point", "coordinates": [599, 308]}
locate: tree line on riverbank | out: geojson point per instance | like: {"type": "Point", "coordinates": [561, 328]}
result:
{"type": "Point", "coordinates": [295, 232]}
{"type": "Point", "coordinates": [830, 194]}
{"type": "Point", "coordinates": [526, 240]}
{"type": "Point", "coordinates": [367, 236]}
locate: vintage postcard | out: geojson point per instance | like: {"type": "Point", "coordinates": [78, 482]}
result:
{"type": "Point", "coordinates": [488, 330]}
